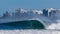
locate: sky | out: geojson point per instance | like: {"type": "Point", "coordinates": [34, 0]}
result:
{"type": "Point", "coordinates": [11, 5]}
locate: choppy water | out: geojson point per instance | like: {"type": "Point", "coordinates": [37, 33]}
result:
{"type": "Point", "coordinates": [27, 24]}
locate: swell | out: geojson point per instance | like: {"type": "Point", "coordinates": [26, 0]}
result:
{"type": "Point", "coordinates": [26, 24]}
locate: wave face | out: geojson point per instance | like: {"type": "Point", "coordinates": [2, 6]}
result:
{"type": "Point", "coordinates": [27, 24]}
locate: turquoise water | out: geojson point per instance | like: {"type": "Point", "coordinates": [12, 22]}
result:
{"type": "Point", "coordinates": [27, 24]}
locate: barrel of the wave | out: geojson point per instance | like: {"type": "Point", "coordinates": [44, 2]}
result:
{"type": "Point", "coordinates": [35, 24]}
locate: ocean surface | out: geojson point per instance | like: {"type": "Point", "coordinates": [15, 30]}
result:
{"type": "Point", "coordinates": [25, 27]}
{"type": "Point", "coordinates": [27, 24]}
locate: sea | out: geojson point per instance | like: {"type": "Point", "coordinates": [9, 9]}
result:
{"type": "Point", "coordinates": [25, 27]}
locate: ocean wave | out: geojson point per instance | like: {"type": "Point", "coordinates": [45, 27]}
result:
{"type": "Point", "coordinates": [27, 24]}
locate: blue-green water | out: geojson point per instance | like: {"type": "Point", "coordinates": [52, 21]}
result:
{"type": "Point", "coordinates": [27, 24]}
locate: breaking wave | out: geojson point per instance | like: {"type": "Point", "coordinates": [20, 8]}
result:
{"type": "Point", "coordinates": [26, 24]}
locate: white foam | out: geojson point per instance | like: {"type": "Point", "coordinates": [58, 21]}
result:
{"type": "Point", "coordinates": [54, 26]}
{"type": "Point", "coordinates": [29, 32]}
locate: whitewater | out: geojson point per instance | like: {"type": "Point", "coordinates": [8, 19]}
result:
{"type": "Point", "coordinates": [29, 32]}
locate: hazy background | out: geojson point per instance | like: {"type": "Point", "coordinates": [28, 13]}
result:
{"type": "Point", "coordinates": [11, 5]}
